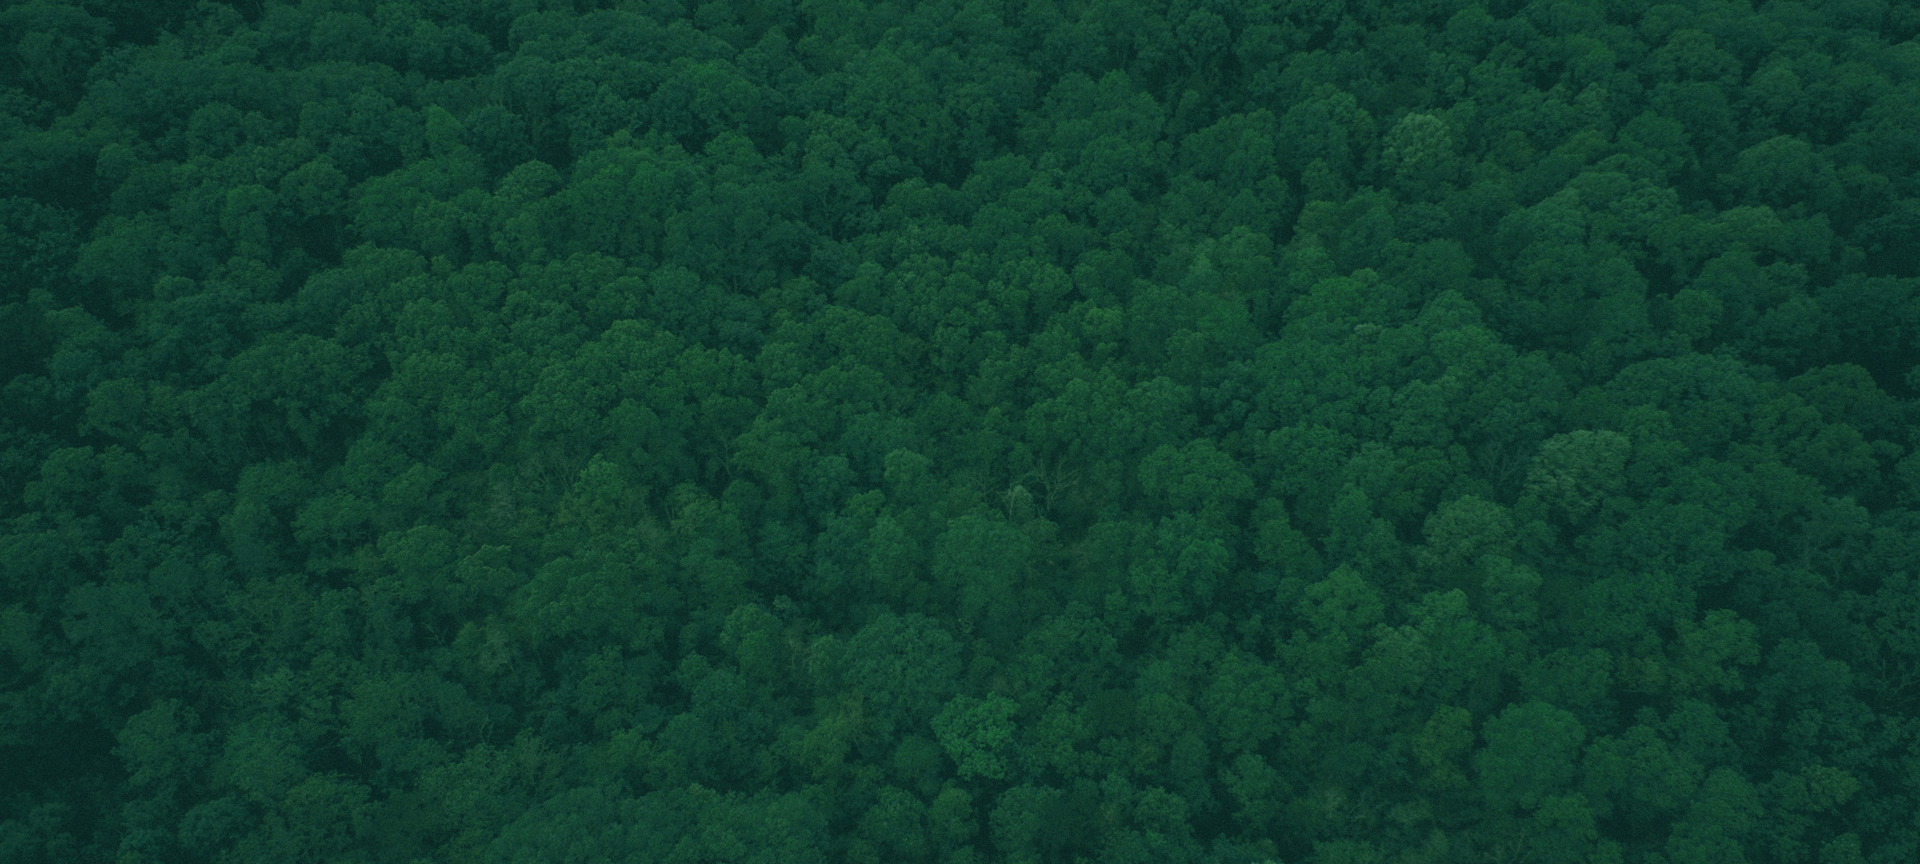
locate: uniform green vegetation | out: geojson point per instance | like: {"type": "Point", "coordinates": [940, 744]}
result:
{"type": "Point", "coordinates": [960, 432]}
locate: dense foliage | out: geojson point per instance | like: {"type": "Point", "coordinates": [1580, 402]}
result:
{"type": "Point", "coordinates": [1338, 431]}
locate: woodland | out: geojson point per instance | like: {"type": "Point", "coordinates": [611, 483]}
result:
{"type": "Point", "coordinates": [959, 432]}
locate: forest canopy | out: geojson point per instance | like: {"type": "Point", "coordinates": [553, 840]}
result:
{"type": "Point", "coordinates": [960, 432]}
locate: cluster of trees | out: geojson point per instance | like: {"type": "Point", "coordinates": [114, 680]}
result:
{"type": "Point", "coordinates": [1105, 431]}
